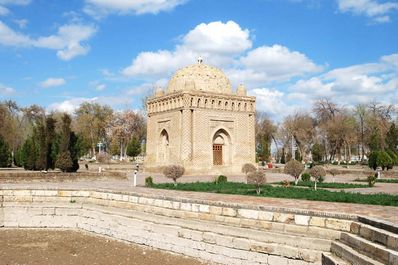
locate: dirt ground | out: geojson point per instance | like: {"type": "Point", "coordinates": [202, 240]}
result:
{"type": "Point", "coordinates": [47, 247]}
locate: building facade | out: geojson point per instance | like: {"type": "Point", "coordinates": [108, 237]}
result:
{"type": "Point", "coordinates": [199, 123]}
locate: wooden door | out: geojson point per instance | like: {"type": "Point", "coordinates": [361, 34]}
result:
{"type": "Point", "coordinates": [217, 154]}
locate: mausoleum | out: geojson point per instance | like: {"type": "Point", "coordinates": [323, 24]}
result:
{"type": "Point", "coordinates": [200, 123]}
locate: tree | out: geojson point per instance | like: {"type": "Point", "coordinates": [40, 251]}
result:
{"type": "Point", "coordinates": [5, 154]}
{"type": "Point", "coordinates": [247, 168]}
{"type": "Point", "coordinates": [65, 161]}
{"type": "Point", "coordinates": [317, 172]}
{"type": "Point", "coordinates": [134, 147]}
{"type": "Point", "coordinates": [294, 169]}
{"type": "Point", "coordinates": [383, 160]}
{"type": "Point", "coordinates": [317, 152]}
{"type": "Point", "coordinates": [265, 131]}
{"type": "Point", "coordinates": [173, 172]}
{"type": "Point", "coordinates": [258, 179]}
{"type": "Point", "coordinates": [300, 128]}
{"type": "Point", "coordinates": [392, 138]}
{"type": "Point", "coordinates": [92, 121]}
{"type": "Point", "coordinates": [125, 126]}
{"type": "Point", "coordinates": [29, 154]}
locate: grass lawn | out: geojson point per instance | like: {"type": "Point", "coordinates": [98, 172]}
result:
{"type": "Point", "coordinates": [282, 192]}
{"type": "Point", "coordinates": [327, 185]}
{"type": "Point", "coordinates": [379, 180]}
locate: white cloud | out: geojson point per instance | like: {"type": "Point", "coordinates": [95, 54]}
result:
{"type": "Point", "coordinates": [15, 2]}
{"type": "Point", "coordinates": [219, 38]}
{"type": "Point", "coordinates": [100, 87]}
{"type": "Point", "coordinates": [271, 101]}
{"type": "Point", "coordinates": [22, 23]}
{"type": "Point", "coordinates": [6, 90]}
{"type": "Point", "coordinates": [52, 82]}
{"type": "Point", "coordinates": [4, 11]}
{"type": "Point", "coordinates": [370, 8]}
{"type": "Point", "coordinates": [273, 63]}
{"type": "Point", "coordinates": [100, 8]}
{"type": "Point", "coordinates": [9, 37]}
{"type": "Point", "coordinates": [70, 105]}
{"type": "Point", "coordinates": [68, 41]}
{"type": "Point", "coordinates": [353, 84]}
{"type": "Point", "coordinates": [217, 42]}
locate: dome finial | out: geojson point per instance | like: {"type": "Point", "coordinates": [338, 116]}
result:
{"type": "Point", "coordinates": [200, 59]}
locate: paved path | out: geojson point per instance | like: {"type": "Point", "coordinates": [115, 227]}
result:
{"type": "Point", "coordinates": [384, 212]}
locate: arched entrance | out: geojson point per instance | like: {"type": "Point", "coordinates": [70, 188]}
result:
{"type": "Point", "coordinates": [163, 154]}
{"type": "Point", "coordinates": [221, 148]}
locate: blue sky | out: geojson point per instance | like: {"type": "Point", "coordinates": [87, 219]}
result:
{"type": "Point", "coordinates": [286, 52]}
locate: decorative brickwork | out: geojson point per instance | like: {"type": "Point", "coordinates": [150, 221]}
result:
{"type": "Point", "coordinates": [197, 111]}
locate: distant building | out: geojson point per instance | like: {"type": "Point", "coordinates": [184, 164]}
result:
{"type": "Point", "coordinates": [198, 122]}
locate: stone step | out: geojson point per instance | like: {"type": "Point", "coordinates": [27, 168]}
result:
{"type": "Point", "coordinates": [382, 224]}
{"type": "Point", "coordinates": [351, 255]}
{"type": "Point", "coordinates": [288, 239]}
{"type": "Point", "coordinates": [331, 259]}
{"type": "Point", "coordinates": [370, 249]}
{"type": "Point", "coordinates": [377, 235]}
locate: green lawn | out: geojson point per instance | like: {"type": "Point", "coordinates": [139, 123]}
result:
{"type": "Point", "coordinates": [282, 192]}
{"type": "Point", "coordinates": [379, 180]}
{"type": "Point", "coordinates": [327, 185]}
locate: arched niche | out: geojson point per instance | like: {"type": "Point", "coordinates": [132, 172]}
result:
{"type": "Point", "coordinates": [163, 148]}
{"type": "Point", "coordinates": [222, 148]}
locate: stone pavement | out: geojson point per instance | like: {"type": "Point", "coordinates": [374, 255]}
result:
{"type": "Point", "coordinates": [383, 212]}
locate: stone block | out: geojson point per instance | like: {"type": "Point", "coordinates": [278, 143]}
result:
{"type": "Point", "coordinates": [276, 260]}
{"type": "Point", "coordinates": [301, 219]}
{"type": "Point", "coordinates": [215, 210]}
{"type": "Point", "coordinates": [317, 221]}
{"type": "Point", "coordinates": [204, 208]}
{"type": "Point", "coordinates": [185, 206]}
{"type": "Point", "coordinates": [241, 243]}
{"type": "Point", "coordinates": [247, 213]}
{"type": "Point", "coordinates": [284, 218]}
{"type": "Point", "coordinates": [354, 227]}
{"type": "Point", "coordinates": [267, 216]}
{"type": "Point", "coordinates": [338, 224]}
{"type": "Point", "coordinates": [228, 211]}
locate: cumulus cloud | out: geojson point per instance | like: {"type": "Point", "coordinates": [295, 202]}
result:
{"type": "Point", "coordinates": [370, 8]}
{"type": "Point", "coordinates": [6, 90]}
{"type": "Point", "coordinates": [52, 82]}
{"type": "Point", "coordinates": [100, 8]}
{"type": "Point", "coordinates": [272, 63]}
{"type": "Point", "coordinates": [352, 84]}
{"type": "Point", "coordinates": [271, 101]}
{"type": "Point", "coordinates": [4, 11]}
{"type": "Point", "coordinates": [217, 42]}
{"type": "Point", "coordinates": [22, 23]}
{"type": "Point", "coordinates": [70, 105]}
{"type": "Point", "coordinates": [69, 41]}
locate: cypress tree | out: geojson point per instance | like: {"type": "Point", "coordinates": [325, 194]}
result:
{"type": "Point", "coordinates": [64, 160]}
{"type": "Point", "coordinates": [5, 154]}
{"type": "Point", "coordinates": [51, 153]}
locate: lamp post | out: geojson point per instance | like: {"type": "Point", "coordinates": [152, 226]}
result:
{"type": "Point", "coordinates": [137, 167]}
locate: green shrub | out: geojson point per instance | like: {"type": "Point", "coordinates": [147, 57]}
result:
{"type": "Point", "coordinates": [64, 162]}
{"type": "Point", "coordinates": [149, 181]}
{"type": "Point", "coordinates": [383, 160]}
{"type": "Point", "coordinates": [372, 180]}
{"type": "Point", "coordinates": [221, 179]}
{"type": "Point", "coordinates": [372, 159]}
{"type": "Point", "coordinates": [305, 176]}
{"type": "Point", "coordinates": [321, 179]}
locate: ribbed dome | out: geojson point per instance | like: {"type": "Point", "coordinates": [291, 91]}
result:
{"type": "Point", "coordinates": [200, 77]}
